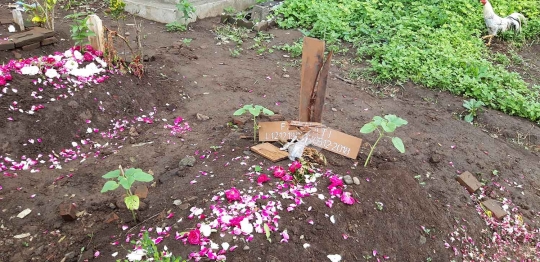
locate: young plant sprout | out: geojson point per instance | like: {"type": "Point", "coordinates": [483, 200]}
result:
{"type": "Point", "coordinates": [255, 111]}
{"type": "Point", "coordinates": [473, 108]}
{"type": "Point", "coordinates": [388, 124]}
{"type": "Point", "coordinates": [126, 179]}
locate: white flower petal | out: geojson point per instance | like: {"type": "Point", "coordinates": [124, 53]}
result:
{"type": "Point", "coordinates": [334, 258]}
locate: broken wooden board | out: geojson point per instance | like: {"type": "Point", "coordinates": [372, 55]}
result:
{"type": "Point", "coordinates": [270, 151]}
{"type": "Point", "coordinates": [320, 91]}
{"type": "Point", "coordinates": [312, 62]}
{"type": "Point", "coordinates": [97, 41]}
{"type": "Point", "coordinates": [320, 136]}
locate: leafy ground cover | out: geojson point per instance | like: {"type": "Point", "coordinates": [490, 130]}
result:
{"type": "Point", "coordinates": [433, 43]}
{"type": "Point", "coordinates": [213, 199]}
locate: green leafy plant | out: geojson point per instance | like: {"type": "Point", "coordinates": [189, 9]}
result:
{"type": "Point", "coordinates": [187, 41]}
{"type": "Point", "coordinates": [379, 206]}
{"type": "Point", "coordinates": [294, 49]}
{"type": "Point", "coordinates": [431, 43]}
{"type": "Point", "coordinates": [116, 9]}
{"type": "Point", "coordinates": [235, 52]}
{"type": "Point", "coordinates": [385, 125]}
{"type": "Point", "coordinates": [175, 27]}
{"type": "Point", "coordinates": [228, 33]}
{"type": "Point", "coordinates": [42, 12]}
{"type": "Point", "coordinates": [255, 111]}
{"type": "Point", "coordinates": [186, 8]}
{"type": "Point", "coordinates": [473, 108]}
{"type": "Point", "coordinates": [229, 10]}
{"type": "Point", "coordinates": [261, 41]}
{"type": "Point", "coordinates": [126, 179]}
{"type": "Point", "coordinates": [80, 31]}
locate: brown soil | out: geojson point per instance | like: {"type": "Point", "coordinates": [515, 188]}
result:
{"type": "Point", "coordinates": [418, 188]}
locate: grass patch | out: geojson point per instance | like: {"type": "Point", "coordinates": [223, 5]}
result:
{"type": "Point", "coordinates": [435, 43]}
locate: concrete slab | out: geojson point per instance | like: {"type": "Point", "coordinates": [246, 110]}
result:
{"type": "Point", "coordinates": [164, 11]}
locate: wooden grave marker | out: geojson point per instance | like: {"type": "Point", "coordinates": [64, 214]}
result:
{"type": "Point", "coordinates": [96, 25]}
{"type": "Point", "coordinates": [320, 136]}
{"type": "Point", "coordinates": [270, 151]}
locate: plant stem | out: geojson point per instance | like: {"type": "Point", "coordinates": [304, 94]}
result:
{"type": "Point", "coordinates": [381, 134]}
{"type": "Point", "coordinates": [128, 192]}
{"type": "Point", "coordinates": [255, 129]}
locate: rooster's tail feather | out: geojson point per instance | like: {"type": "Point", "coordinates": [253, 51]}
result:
{"type": "Point", "coordinates": [516, 21]}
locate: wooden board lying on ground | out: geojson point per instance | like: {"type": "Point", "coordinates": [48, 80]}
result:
{"type": "Point", "coordinates": [270, 151]}
{"type": "Point", "coordinates": [320, 136]}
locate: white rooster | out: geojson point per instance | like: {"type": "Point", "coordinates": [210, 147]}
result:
{"type": "Point", "coordinates": [497, 24]}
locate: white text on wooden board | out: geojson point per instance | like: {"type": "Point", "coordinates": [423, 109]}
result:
{"type": "Point", "coordinates": [322, 137]}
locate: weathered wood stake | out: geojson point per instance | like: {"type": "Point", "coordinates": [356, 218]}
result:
{"type": "Point", "coordinates": [95, 25]}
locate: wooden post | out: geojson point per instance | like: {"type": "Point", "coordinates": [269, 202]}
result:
{"type": "Point", "coordinates": [313, 80]}
{"type": "Point", "coordinates": [312, 61]}
{"type": "Point", "coordinates": [18, 19]}
{"type": "Point", "coordinates": [95, 25]}
{"type": "Point", "coordinates": [320, 92]}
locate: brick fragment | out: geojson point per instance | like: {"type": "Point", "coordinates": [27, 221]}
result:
{"type": "Point", "coordinates": [495, 208]}
{"type": "Point", "coordinates": [276, 117]}
{"type": "Point", "coordinates": [42, 31]}
{"type": "Point", "coordinates": [31, 46]}
{"type": "Point", "coordinates": [49, 40]}
{"type": "Point", "coordinates": [6, 21]}
{"type": "Point", "coordinates": [240, 120]}
{"type": "Point", "coordinates": [141, 192]}
{"type": "Point", "coordinates": [6, 44]}
{"type": "Point", "coordinates": [26, 38]}
{"type": "Point", "coordinates": [470, 182]}
{"type": "Point", "coordinates": [67, 211]}
{"type": "Point", "coordinates": [112, 218]}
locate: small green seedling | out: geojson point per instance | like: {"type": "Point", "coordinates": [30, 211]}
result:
{"type": "Point", "coordinates": [389, 124]}
{"type": "Point", "coordinates": [473, 108]}
{"type": "Point", "coordinates": [255, 111]}
{"type": "Point", "coordinates": [126, 179]}
{"type": "Point", "coordinates": [379, 206]}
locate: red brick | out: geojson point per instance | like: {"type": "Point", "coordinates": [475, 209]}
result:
{"type": "Point", "coordinates": [67, 211]}
{"type": "Point", "coordinates": [26, 38]}
{"type": "Point", "coordinates": [43, 31]}
{"type": "Point", "coordinates": [495, 208]}
{"type": "Point", "coordinates": [48, 41]}
{"type": "Point", "coordinates": [112, 218]}
{"type": "Point", "coordinates": [276, 117]}
{"type": "Point", "coordinates": [240, 120]}
{"type": "Point", "coordinates": [31, 46]}
{"type": "Point", "coordinates": [6, 44]}
{"type": "Point", "coordinates": [142, 192]}
{"type": "Point", "coordinates": [470, 182]}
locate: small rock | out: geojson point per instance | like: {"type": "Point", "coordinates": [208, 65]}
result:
{"type": "Point", "coordinates": [184, 206]}
{"type": "Point", "coordinates": [240, 120]}
{"type": "Point", "coordinates": [247, 153]}
{"type": "Point", "coordinates": [9, 242]}
{"type": "Point", "coordinates": [186, 161]}
{"type": "Point", "coordinates": [112, 206]}
{"type": "Point", "coordinates": [85, 115]}
{"type": "Point", "coordinates": [67, 211]}
{"type": "Point", "coordinates": [334, 109]}
{"type": "Point", "coordinates": [348, 180]}
{"type": "Point", "coordinates": [127, 33]}
{"type": "Point", "coordinates": [142, 206]}
{"type": "Point", "coordinates": [435, 158]}
{"type": "Point", "coordinates": [286, 76]}
{"type": "Point", "coordinates": [423, 240]}
{"type": "Point", "coordinates": [202, 117]}
{"type": "Point", "coordinates": [64, 76]}
{"type": "Point", "coordinates": [177, 202]}
{"type": "Point", "coordinates": [57, 225]}
{"type": "Point", "coordinates": [246, 248]}
{"type": "Point", "coordinates": [70, 255]}
{"type": "Point", "coordinates": [73, 104]}
{"type": "Point", "coordinates": [142, 191]}
{"type": "Point", "coordinates": [356, 180]}
{"type": "Point", "coordinates": [112, 218]}
{"type": "Point", "coordinates": [133, 131]}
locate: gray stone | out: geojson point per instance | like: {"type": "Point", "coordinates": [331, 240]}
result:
{"type": "Point", "coordinates": [423, 240]}
{"type": "Point", "coordinates": [356, 180]}
{"type": "Point", "coordinates": [246, 248]}
{"type": "Point", "coordinates": [70, 255]}
{"type": "Point", "coordinates": [184, 206]}
{"type": "Point", "coordinates": [187, 161]}
{"type": "Point", "coordinates": [348, 180]}
{"type": "Point", "coordinates": [73, 104]}
{"type": "Point", "coordinates": [112, 206]}
{"type": "Point", "coordinates": [177, 202]}
{"type": "Point", "coordinates": [202, 117]}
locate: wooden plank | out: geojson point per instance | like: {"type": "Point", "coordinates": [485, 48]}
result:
{"type": "Point", "coordinates": [320, 136]}
{"type": "Point", "coordinates": [270, 151]}
{"type": "Point", "coordinates": [320, 91]}
{"type": "Point", "coordinates": [95, 25]}
{"type": "Point", "coordinates": [312, 61]}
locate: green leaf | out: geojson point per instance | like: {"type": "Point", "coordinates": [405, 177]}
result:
{"type": "Point", "coordinates": [109, 186]}
{"type": "Point", "coordinates": [239, 112]}
{"type": "Point", "coordinates": [377, 120]}
{"type": "Point", "coordinates": [132, 202]}
{"type": "Point", "coordinates": [247, 107]}
{"type": "Point", "coordinates": [398, 144]}
{"type": "Point", "coordinates": [112, 174]}
{"type": "Point", "coordinates": [258, 107]}
{"type": "Point", "coordinates": [132, 171]}
{"type": "Point", "coordinates": [268, 112]}
{"type": "Point", "coordinates": [255, 112]}
{"type": "Point", "coordinates": [368, 128]}
{"type": "Point", "coordinates": [398, 121]}
{"type": "Point", "coordinates": [267, 232]}
{"type": "Point", "coordinates": [124, 183]}
{"type": "Point", "coordinates": [469, 118]}
{"type": "Point", "coordinates": [388, 127]}
{"type": "Point", "coordinates": [143, 177]}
